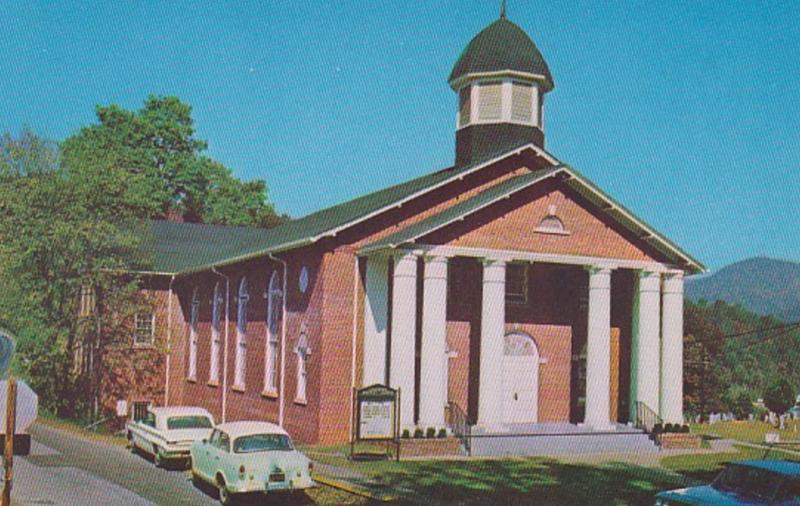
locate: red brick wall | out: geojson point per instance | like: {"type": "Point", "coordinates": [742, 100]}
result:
{"type": "Point", "coordinates": [136, 373]}
{"type": "Point", "coordinates": [336, 351]}
{"type": "Point", "coordinates": [302, 420]}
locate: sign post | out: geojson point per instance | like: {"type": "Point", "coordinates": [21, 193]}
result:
{"type": "Point", "coordinates": [8, 453]}
{"type": "Point", "coordinates": [376, 417]}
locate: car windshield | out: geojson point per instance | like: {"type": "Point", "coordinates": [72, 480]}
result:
{"type": "Point", "coordinates": [262, 443]}
{"type": "Point", "coordinates": [189, 422]}
{"type": "Point", "coordinates": [749, 481]}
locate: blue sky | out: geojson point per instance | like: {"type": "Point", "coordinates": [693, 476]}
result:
{"type": "Point", "coordinates": [684, 111]}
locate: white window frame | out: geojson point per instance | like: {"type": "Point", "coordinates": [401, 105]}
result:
{"type": "Point", "coordinates": [194, 316]}
{"type": "Point", "coordinates": [216, 309]}
{"type": "Point", "coordinates": [240, 360]}
{"type": "Point", "coordinates": [274, 322]}
{"type": "Point", "coordinates": [303, 351]}
{"type": "Point", "coordinates": [151, 341]}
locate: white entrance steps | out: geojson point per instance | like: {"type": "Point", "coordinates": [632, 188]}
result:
{"type": "Point", "coordinates": [558, 439]}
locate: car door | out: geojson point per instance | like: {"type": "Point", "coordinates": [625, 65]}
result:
{"type": "Point", "coordinates": [203, 456]}
{"type": "Point", "coordinates": [139, 436]}
{"type": "Point", "coordinates": [148, 428]}
{"type": "Point", "coordinates": [221, 460]}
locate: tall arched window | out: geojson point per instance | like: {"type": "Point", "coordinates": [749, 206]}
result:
{"type": "Point", "coordinates": [216, 310]}
{"type": "Point", "coordinates": [303, 351]}
{"type": "Point", "coordinates": [274, 320]}
{"type": "Point", "coordinates": [195, 313]}
{"type": "Point", "coordinates": [241, 335]}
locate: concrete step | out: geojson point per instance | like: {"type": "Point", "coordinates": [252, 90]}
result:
{"type": "Point", "coordinates": [551, 444]}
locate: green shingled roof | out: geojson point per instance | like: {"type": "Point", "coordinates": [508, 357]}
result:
{"type": "Point", "coordinates": [499, 47]}
{"type": "Point", "coordinates": [180, 248]}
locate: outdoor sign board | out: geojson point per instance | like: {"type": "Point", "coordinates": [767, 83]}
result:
{"type": "Point", "coordinates": [375, 414]}
{"type": "Point", "coordinates": [376, 409]}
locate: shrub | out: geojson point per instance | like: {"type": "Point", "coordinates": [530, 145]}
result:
{"type": "Point", "coordinates": [685, 429]}
{"type": "Point", "coordinates": [442, 433]}
{"type": "Point", "coordinates": [430, 433]}
{"type": "Point", "coordinates": [658, 428]}
{"type": "Point", "coordinates": [669, 428]}
{"type": "Point", "coordinates": [759, 412]}
{"type": "Point", "coordinates": [406, 434]}
{"type": "Point", "coordinates": [418, 434]}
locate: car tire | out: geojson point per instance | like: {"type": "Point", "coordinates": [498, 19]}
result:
{"type": "Point", "coordinates": [225, 497]}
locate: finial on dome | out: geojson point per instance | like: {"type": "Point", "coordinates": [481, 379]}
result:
{"type": "Point", "coordinates": [503, 9]}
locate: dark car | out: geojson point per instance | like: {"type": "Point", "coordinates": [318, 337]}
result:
{"type": "Point", "coordinates": [750, 482]}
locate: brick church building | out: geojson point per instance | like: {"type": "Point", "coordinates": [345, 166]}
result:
{"type": "Point", "coordinates": [508, 287]}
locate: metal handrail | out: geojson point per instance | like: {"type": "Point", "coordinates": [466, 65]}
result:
{"type": "Point", "coordinates": [458, 423]}
{"type": "Point", "coordinates": [646, 417]}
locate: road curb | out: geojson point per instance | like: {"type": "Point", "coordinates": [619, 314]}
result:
{"type": "Point", "coordinates": [353, 489]}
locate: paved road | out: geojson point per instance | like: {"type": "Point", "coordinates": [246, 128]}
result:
{"type": "Point", "coordinates": [64, 469]}
{"type": "Point", "coordinates": [69, 469]}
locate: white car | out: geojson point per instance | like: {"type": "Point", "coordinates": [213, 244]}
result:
{"type": "Point", "coordinates": [250, 457]}
{"type": "Point", "coordinates": [167, 433]}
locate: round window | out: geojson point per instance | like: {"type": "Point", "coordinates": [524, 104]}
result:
{"type": "Point", "coordinates": [302, 280]}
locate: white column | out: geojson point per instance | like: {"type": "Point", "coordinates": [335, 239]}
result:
{"type": "Point", "coordinates": [403, 342]}
{"type": "Point", "coordinates": [598, 350]}
{"type": "Point", "coordinates": [376, 307]}
{"type": "Point", "coordinates": [645, 345]}
{"type": "Point", "coordinates": [671, 410]}
{"type": "Point", "coordinates": [493, 316]}
{"type": "Point", "coordinates": [433, 361]}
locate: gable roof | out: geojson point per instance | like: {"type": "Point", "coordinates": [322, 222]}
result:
{"type": "Point", "coordinates": [575, 180]}
{"type": "Point", "coordinates": [183, 248]}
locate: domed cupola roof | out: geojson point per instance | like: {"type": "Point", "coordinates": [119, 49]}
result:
{"type": "Point", "coordinates": [502, 47]}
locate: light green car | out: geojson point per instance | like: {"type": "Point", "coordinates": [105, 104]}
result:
{"type": "Point", "coordinates": [250, 457]}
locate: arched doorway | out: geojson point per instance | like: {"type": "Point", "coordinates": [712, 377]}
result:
{"type": "Point", "coordinates": [520, 379]}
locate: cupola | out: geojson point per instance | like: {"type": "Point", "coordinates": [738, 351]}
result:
{"type": "Point", "coordinates": [501, 79]}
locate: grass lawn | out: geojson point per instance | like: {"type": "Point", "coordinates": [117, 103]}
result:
{"type": "Point", "coordinates": [705, 467]}
{"type": "Point", "coordinates": [540, 480]}
{"type": "Point", "coordinates": [751, 432]}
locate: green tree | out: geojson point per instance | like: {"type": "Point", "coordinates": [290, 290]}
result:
{"type": "Point", "coordinates": [739, 401]}
{"type": "Point", "coordinates": [161, 163]}
{"type": "Point", "coordinates": [779, 396]}
{"type": "Point", "coordinates": [702, 350]}
{"type": "Point", "coordinates": [60, 232]}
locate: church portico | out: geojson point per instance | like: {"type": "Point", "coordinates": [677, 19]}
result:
{"type": "Point", "coordinates": [579, 367]}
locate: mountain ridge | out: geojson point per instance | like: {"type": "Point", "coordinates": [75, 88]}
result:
{"type": "Point", "coordinates": [766, 286]}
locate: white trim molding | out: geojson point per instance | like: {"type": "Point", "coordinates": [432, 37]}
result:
{"type": "Point", "coordinates": [552, 258]}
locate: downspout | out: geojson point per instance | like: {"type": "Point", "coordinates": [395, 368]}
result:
{"type": "Point", "coordinates": [353, 344]}
{"type": "Point", "coordinates": [169, 341]}
{"type": "Point", "coordinates": [282, 391]}
{"type": "Point", "coordinates": [225, 343]}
